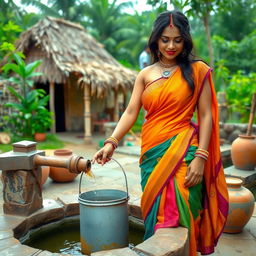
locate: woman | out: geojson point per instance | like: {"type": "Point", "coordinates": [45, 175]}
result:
{"type": "Point", "coordinates": [182, 175]}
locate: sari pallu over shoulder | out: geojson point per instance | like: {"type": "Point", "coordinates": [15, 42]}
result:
{"type": "Point", "coordinates": [170, 106]}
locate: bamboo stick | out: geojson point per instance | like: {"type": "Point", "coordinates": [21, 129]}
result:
{"type": "Point", "coordinates": [252, 113]}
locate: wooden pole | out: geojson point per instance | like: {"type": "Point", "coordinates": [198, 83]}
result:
{"type": "Point", "coordinates": [252, 113]}
{"type": "Point", "coordinates": [52, 107]}
{"type": "Point", "coordinates": [116, 108]}
{"type": "Point", "coordinates": [87, 115]}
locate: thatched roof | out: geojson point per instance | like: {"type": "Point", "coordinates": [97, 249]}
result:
{"type": "Point", "coordinates": [66, 48]}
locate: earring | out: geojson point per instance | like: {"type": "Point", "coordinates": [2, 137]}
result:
{"type": "Point", "coordinates": [159, 54]}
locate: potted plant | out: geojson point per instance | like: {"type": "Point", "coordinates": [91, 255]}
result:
{"type": "Point", "coordinates": [41, 122]}
{"type": "Point", "coordinates": [243, 148]}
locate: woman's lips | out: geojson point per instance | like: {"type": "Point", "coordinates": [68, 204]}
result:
{"type": "Point", "coordinates": [170, 52]}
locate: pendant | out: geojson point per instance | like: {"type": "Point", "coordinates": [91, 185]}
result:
{"type": "Point", "coordinates": [166, 73]}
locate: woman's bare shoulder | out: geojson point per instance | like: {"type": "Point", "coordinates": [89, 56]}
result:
{"type": "Point", "coordinates": [147, 69]}
{"type": "Point", "coordinates": [149, 74]}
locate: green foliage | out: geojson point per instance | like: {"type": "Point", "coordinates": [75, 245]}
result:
{"type": "Point", "coordinates": [238, 55]}
{"type": "Point", "coordinates": [159, 5]}
{"type": "Point", "coordinates": [8, 34]}
{"type": "Point", "coordinates": [104, 21]}
{"type": "Point", "coordinates": [201, 8]}
{"type": "Point", "coordinates": [135, 33]}
{"type": "Point", "coordinates": [9, 11]}
{"type": "Point", "coordinates": [125, 63]}
{"type": "Point", "coordinates": [30, 114]}
{"type": "Point", "coordinates": [42, 121]}
{"type": "Point", "coordinates": [239, 93]}
{"type": "Point", "coordinates": [72, 10]}
{"type": "Point", "coordinates": [236, 22]}
{"type": "Point", "coordinates": [7, 47]}
{"type": "Point", "coordinates": [9, 31]}
{"type": "Point", "coordinates": [24, 72]}
{"type": "Point", "coordinates": [221, 75]}
{"type": "Point", "coordinates": [29, 110]}
{"type": "Point", "coordinates": [199, 39]}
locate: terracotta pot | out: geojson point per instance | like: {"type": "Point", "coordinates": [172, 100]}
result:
{"type": "Point", "coordinates": [4, 138]}
{"type": "Point", "coordinates": [38, 136]}
{"type": "Point", "coordinates": [45, 174]}
{"type": "Point", "coordinates": [59, 174]}
{"type": "Point", "coordinates": [241, 205]}
{"type": "Point", "coordinates": [243, 152]}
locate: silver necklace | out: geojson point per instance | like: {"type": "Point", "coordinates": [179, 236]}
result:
{"type": "Point", "coordinates": [166, 73]}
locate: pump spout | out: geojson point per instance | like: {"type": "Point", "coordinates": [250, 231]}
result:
{"type": "Point", "coordinates": [75, 164]}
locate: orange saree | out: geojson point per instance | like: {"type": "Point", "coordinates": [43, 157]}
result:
{"type": "Point", "coordinates": [169, 141]}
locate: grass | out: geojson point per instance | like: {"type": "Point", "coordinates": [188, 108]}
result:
{"type": "Point", "coordinates": [51, 142]}
{"type": "Point", "coordinates": [5, 147]}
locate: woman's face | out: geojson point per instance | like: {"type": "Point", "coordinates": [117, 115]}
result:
{"type": "Point", "coordinates": [170, 44]}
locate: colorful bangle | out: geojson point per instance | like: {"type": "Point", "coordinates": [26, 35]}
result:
{"type": "Point", "coordinates": [203, 151]}
{"type": "Point", "coordinates": [201, 155]}
{"type": "Point", "coordinates": [113, 139]}
{"type": "Point", "coordinates": [110, 142]}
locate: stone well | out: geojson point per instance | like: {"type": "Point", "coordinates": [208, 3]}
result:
{"type": "Point", "coordinates": [168, 241]}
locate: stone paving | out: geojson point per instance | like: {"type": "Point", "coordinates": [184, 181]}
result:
{"type": "Point", "coordinates": [110, 176]}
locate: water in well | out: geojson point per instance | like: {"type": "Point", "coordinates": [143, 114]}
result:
{"type": "Point", "coordinates": [64, 236]}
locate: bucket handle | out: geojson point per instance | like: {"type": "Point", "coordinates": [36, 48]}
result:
{"type": "Point", "coordinates": [126, 183]}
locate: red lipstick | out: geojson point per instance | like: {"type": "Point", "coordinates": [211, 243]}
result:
{"type": "Point", "coordinates": [170, 52]}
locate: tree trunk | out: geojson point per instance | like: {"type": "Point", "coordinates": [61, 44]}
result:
{"type": "Point", "coordinates": [208, 36]}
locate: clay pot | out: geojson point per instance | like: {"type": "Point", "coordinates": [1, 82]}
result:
{"type": "Point", "coordinates": [241, 205]}
{"type": "Point", "coordinates": [243, 152]}
{"type": "Point", "coordinates": [4, 138]}
{"type": "Point", "coordinates": [45, 174]}
{"type": "Point", "coordinates": [59, 174]}
{"type": "Point", "coordinates": [39, 137]}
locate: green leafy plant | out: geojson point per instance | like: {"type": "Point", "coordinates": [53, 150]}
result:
{"type": "Point", "coordinates": [42, 121]}
{"type": "Point", "coordinates": [29, 110]}
{"type": "Point", "coordinates": [239, 93]}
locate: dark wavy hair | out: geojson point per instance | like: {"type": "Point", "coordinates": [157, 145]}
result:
{"type": "Point", "coordinates": [185, 58]}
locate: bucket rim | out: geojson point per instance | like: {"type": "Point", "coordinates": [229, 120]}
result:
{"type": "Point", "coordinates": [105, 202]}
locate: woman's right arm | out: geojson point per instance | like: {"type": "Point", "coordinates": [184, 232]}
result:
{"type": "Point", "coordinates": [126, 121]}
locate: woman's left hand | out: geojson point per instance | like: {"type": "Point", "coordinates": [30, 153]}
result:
{"type": "Point", "coordinates": [195, 172]}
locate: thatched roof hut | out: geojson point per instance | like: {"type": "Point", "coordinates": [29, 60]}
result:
{"type": "Point", "coordinates": [69, 53]}
{"type": "Point", "coordinates": [65, 47]}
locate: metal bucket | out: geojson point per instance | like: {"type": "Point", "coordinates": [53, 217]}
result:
{"type": "Point", "coordinates": [104, 221]}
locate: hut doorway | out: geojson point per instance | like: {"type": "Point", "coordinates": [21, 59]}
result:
{"type": "Point", "coordinates": [59, 105]}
